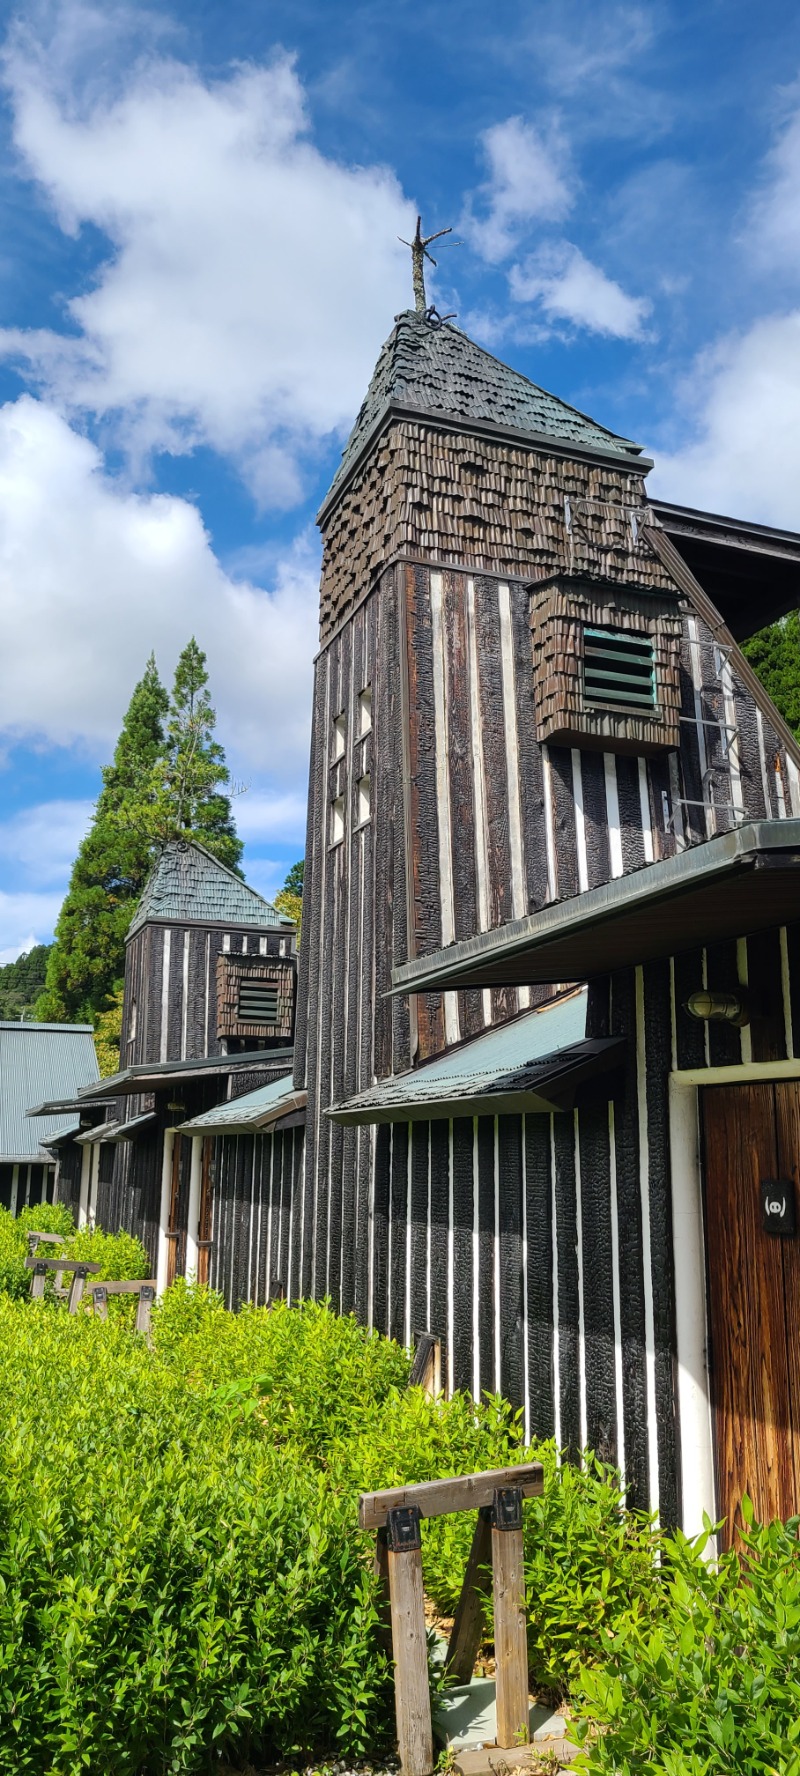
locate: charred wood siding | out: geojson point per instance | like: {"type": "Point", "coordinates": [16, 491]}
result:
{"type": "Point", "coordinates": [487, 506]}
{"type": "Point", "coordinates": [170, 1009]}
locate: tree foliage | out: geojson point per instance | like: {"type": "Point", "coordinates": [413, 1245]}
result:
{"type": "Point", "coordinates": [110, 870]}
{"type": "Point", "coordinates": [289, 899]}
{"type": "Point", "coordinates": [774, 653]}
{"type": "Point", "coordinates": [22, 981]}
{"type": "Point", "coordinates": [166, 780]}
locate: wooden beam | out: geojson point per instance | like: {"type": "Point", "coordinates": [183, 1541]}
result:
{"type": "Point", "coordinates": [409, 1640]}
{"type": "Point", "coordinates": [468, 1624]}
{"type": "Point", "coordinates": [439, 1498]}
{"type": "Point", "coordinates": [426, 1369]}
{"type": "Point", "coordinates": [510, 1633]}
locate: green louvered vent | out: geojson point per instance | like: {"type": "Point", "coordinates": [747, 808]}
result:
{"type": "Point", "coordinates": [618, 670]}
{"type": "Point", "coordinates": [258, 1002]}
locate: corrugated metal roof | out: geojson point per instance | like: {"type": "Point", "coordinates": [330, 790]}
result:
{"type": "Point", "coordinates": [188, 886]}
{"type": "Point", "coordinates": [534, 1063]}
{"type": "Point", "coordinates": [438, 369]}
{"type": "Point", "coordinates": [39, 1061]}
{"type": "Point", "coordinates": [254, 1110]}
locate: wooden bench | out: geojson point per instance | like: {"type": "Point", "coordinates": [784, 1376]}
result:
{"type": "Point", "coordinates": [145, 1288]}
{"type": "Point", "coordinates": [37, 1238]}
{"type": "Point", "coordinates": [396, 1514]}
{"type": "Point", "coordinates": [78, 1269]}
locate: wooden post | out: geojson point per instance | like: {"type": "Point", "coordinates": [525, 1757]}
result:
{"type": "Point", "coordinates": [147, 1295]}
{"type": "Point", "coordinates": [426, 1369]}
{"type": "Point", "coordinates": [412, 1694]}
{"type": "Point", "coordinates": [100, 1301]}
{"type": "Point", "coordinates": [37, 1280]}
{"type": "Point", "coordinates": [467, 1633]}
{"type": "Point", "coordinates": [76, 1287]}
{"type": "Point", "coordinates": [510, 1637]}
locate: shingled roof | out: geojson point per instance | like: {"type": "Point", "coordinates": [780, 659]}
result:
{"type": "Point", "coordinates": [436, 369]}
{"type": "Point", "coordinates": [190, 887]}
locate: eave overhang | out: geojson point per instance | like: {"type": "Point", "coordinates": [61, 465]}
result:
{"type": "Point", "coordinates": [739, 882]}
{"type": "Point", "coordinates": [148, 1076]}
{"type": "Point", "coordinates": [751, 571]}
{"type": "Point", "coordinates": [542, 1086]}
{"type": "Point", "coordinates": [577, 450]}
{"type": "Point", "coordinates": [246, 1116]}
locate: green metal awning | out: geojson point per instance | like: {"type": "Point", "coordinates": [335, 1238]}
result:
{"type": "Point", "coordinates": [253, 1111]}
{"type": "Point", "coordinates": [533, 1064]}
{"type": "Point", "coordinates": [729, 886]}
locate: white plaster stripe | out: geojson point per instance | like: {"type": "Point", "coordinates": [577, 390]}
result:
{"type": "Point", "coordinates": [786, 994]}
{"type": "Point", "coordinates": [580, 822]}
{"type": "Point", "coordinates": [451, 1019]}
{"type": "Point", "coordinates": [550, 850]}
{"type": "Point", "coordinates": [193, 1207]}
{"type": "Point", "coordinates": [779, 791]}
{"type": "Point", "coordinates": [647, 1253]}
{"type": "Point", "coordinates": [731, 739]}
{"type": "Point", "coordinates": [612, 812]}
{"type": "Point", "coordinates": [644, 804]}
{"type": "Point", "coordinates": [407, 1338]}
{"type": "Point", "coordinates": [165, 950]}
{"type": "Point", "coordinates": [496, 1263]}
{"type": "Point", "coordinates": [451, 1261]}
{"type": "Point", "coordinates": [694, 1409]}
{"type": "Point", "coordinates": [579, 1258]}
{"type": "Point", "coordinates": [476, 1296]}
{"type": "Point", "coordinates": [519, 889]}
{"type": "Point", "coordinates": [481, 861]}
{"type": "Point", "coordinates": [270, 1212]}
{"type": "Point", "coordinates": [526, 1382]}
{"type": "Point", "coordinates": [697, 683]}
{"type": "Point", "coordinates": [794, 783]}
{"type": "Point", "coordinates": [556, 1352]}
{"type": "Point", "coordinates": [675, 802]}
{"type": "Point", "coordinates": [615, 1292]}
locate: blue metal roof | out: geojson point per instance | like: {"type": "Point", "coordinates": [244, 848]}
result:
{"type": "Point", "coordinates": [39, 1061]}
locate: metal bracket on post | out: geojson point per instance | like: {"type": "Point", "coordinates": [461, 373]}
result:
{"type": "Point", "coordinates": [409, 1641]}
{"type": "Point", "coordinates": [510, 1632]}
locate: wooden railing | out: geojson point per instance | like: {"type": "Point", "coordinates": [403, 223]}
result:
{"type": "Point", "coordinates": [396, 1515]}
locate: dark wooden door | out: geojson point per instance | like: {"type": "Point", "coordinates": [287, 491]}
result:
{"type": "Point", "coordinates": [206, 1204]}
{"type": "Point", "coordinates": [752, 1132]}
{"type": "Point", "coordinates": [176, 1228]}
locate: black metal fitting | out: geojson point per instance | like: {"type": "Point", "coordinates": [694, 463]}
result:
{"type": "Point", "coordinates": [402, 1529]}
{"type": "Point", "coordinates": [507, 1508]}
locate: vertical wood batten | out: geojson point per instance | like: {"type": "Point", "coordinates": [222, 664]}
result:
{"type": "Point", "coordinates": [460, 1353]}
{"type": "Point", "coordinates": [485, 1260]}
{"type": "Point", "coordinates": [566, 1237]}
{"type": "Point", "coordinates": [629, 1218]}
{"type": "Point", "coordinates": [510, 1305]}
{"type": "Point", "coordinates": [598, 1264]}
{"type": "Point", "coordinates": [656, 1008]}
{"type": "Point", "coordinates": [460, 796]}
{"type": "Point", "coordinates": [538, 1193]}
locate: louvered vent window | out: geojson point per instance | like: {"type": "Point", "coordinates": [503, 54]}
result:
{"type": "Point", "coordinates": [618, 670]}
{"type": "Point", "coordinates": [258, 1002]}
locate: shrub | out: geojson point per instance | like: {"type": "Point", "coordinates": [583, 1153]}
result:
{"type": "Point", "coordinates": [711, 1682]}
{"type": "Point", "coordinates": [118, 1254]}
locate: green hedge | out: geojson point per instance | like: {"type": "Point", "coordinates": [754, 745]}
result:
{"type": "Point", "coordinates": [119, 1255]}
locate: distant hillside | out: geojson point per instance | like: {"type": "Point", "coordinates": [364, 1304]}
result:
{"type": "Point", "coordinates": [22, 981]}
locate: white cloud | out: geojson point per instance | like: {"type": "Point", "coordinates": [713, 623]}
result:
{"type": "Point", "coordinates": [744, 454]}
{"type": "Point", "coordinates": [93, 576]}
{"type": "Point", "coordinates": [773, 231]}
{"type": "Point", "coordinates": [250, 277]}
{"type": "Point", "coordinates": [528, 182]}
{"type": "Point", "coordinates": [25, 920]}
{"type": "Point", "coordinates": [260, 816]}
{"type": "Point", "coordinates": [568, 287]}
{"type": "Point", "coordinates": [41, 841]}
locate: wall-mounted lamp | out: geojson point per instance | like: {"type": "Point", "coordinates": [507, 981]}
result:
{"type": "Point", "coordinates": [175, 1104]}
{"type": "Point", "coordinates": [719, 1008]}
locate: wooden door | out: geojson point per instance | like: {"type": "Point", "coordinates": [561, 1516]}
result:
{"type": "Point", "coordinates": [752, 1132]}
{"type": "Point", "coordinates": [174, 1223]}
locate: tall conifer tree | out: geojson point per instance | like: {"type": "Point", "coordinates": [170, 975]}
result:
{"type": "Point", "coordinates": [187, 785]}
{"type": "Point", "coordinates": [110, 870]}
{"type": "Point", "coordinates": [774, 654]}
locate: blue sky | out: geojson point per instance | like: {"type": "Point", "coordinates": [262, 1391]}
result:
{"type": "Point", "coordinates": [199, 211]}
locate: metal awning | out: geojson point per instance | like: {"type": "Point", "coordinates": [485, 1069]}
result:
{"type": "Point", "coordinates": [60, 1137]}
{"type": "Point", "coordinates": [128, 1131]}
{"type": "Point", "coordinates": [534, 1064]}
{"type": "Point", "coordinates": [158, 1076]}
{"type": "Point", "coordinates": [252, 1112]}
{"type": "Point", "coordinates": [734, 884]}
{"type": "Point", "coordinates": [103, 1131]}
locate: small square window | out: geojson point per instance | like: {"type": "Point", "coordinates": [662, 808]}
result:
{"type": "Point", "coordinates": [618, 670]}
{"type": "Point", "coordinates": [363, 791]}
{"type": "Point", "coordinates": [337, 820]}
{"type": "Point", "coordinates": [339, 736]}
{"type": "Point", "coordinates": [364, 711]}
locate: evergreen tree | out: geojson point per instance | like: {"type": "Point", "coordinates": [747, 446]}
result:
{"type": "Point", "coordinates": [21, 983]}
{"type": "Point", "coordinates": [87, 960]}
{"type": "Point", "coordinates": [185, 796]}
{"type": "Point", "coordinates": [289, 899]}
{"type": "Point", "coordinates": [774, 654]}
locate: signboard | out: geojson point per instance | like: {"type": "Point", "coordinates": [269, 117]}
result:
{"type": "Point", "coordinates": [778, 1206]}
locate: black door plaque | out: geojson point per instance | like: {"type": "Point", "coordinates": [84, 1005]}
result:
{"type": "Point", "coordinates": [778, 1206]}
